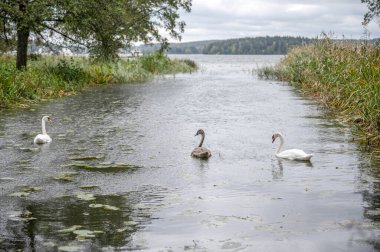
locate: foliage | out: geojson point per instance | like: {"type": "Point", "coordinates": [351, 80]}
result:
{"type": "Point", "coordinates": [51, 77]}
{"type": "Point", "coordinates": [103, 26]}
{"type": "Point", "coordinates": [154, 62]}
{"type": "Point", "coordinates": [373, 10]}
{"type": "Point", "coordinates": [67, 70]}
{"type": "Point", "coordinates": [344, 75]}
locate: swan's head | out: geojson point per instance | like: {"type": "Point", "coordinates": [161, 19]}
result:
{"type": "Point", "coordinates": [275, 135]}
{"type": "Point", "coordinates": [200, 132]}
{"type": "Point", "coordinates": [46, 118]}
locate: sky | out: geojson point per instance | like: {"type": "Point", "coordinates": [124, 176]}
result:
{"type": "Point", "coordinates": [225, 19]}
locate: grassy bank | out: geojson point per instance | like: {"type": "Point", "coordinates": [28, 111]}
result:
{"type": "Point", "coordinates": [345, 76]}
{"type": "Point", "coordinates": [51, 77]}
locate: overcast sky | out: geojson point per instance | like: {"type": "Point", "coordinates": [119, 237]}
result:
{"type": "Point", "coordinates": [223, 19]}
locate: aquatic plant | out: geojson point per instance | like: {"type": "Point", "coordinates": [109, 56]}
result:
{"type": "Point", "coordinates": [66, 176]}
{"type": "Point", "coordinates": [343, 75]}
{"type": "Point", "coordinates": [105, 166]}
{"type": "Point", "coordinates": [106, 207]}
{"type": "Point", "coordinates": [88, 187]}
{"type": "Point", "coordinates": [85, 196]}
{"type": "Point", "coordinates": [79, 158]}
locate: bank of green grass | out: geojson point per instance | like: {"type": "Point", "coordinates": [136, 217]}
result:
{"type": "Point", "coordinates": [343, 75]}
{"type": "Point", "coordinates": [51, 77]}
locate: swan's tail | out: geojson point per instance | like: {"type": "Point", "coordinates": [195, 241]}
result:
{"type": "Point", "coordinates": [308, 156]}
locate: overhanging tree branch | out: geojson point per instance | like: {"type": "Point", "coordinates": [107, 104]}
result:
{"type": "Point", "coordinates": [63, 35]}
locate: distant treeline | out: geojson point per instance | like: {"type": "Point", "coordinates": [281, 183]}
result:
{"type": "Point", "coordinates": [256, 45]}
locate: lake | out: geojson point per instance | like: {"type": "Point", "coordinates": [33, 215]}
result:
{"type": "Point", "coordinates": [118, 174]}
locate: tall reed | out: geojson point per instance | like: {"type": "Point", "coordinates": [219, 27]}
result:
{"type": "Point", "coordinates": [49, 77]}
{"type": "Point", "coordinates": [344, 75]}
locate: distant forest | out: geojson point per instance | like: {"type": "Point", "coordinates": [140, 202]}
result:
{"type": "Point", "coordinates": [256, 45]}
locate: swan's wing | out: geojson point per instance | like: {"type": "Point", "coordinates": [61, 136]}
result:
{"type": "Point", "coordinates": [201, 152]}
{"type": "Point", "coordinates": [295, 154]}
{"type": "Point", "coordinates": [42, 138]}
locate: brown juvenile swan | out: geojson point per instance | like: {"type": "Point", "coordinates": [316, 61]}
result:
{"type": "Point", "coordinates": [201, 152]}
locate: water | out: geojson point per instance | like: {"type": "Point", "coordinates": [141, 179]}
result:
{"type": "Point", "coordinates": [242, 199]}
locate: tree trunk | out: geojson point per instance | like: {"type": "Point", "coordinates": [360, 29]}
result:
{"type": "Point", "coordinates": [22, 38]}
{"type": "Point", "coordinates": [22, 48]}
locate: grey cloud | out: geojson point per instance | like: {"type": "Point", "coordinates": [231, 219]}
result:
{"type": "Point", "coordinates": [223, 19]}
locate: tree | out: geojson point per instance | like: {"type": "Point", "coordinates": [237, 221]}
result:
{"type": "Point", "coordinates": [103, 26]}
{"type": "Point", "coordinates": [373, 10]}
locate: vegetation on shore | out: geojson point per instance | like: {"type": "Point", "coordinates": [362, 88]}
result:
{"type": "Point", "coordinates": [345, 76]}
{"type": "Point", "coordinates": [50, 77]}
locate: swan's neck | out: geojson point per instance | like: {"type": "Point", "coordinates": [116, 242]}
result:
{"type": "Point", "coordinates": [281, 144]}
{"type": "Point", "coordinates": [43, 127]}
{"type": "Point", "coordinates": [203, 138]}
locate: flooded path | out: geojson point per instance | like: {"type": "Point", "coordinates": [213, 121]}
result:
{"type": "Point", "coordinates": [118, 174]}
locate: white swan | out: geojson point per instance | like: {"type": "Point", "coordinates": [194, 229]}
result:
{"type": "Point", "coordinates": [293, 154]}
{"type": "Point", "coordinates": [201, 152]}
{"type": "Point", "coordinates": [43, 138]}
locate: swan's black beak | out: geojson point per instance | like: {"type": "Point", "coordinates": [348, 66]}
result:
{"type": "Point", "coordinates": [273, 139]}
{"type": "Point", "coordinates": [196, 134]}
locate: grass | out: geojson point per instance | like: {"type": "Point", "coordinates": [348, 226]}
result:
{"type": "Point", "coordinates": [50, 77]}
{"type": "Point", "coordinates": [344, 75]}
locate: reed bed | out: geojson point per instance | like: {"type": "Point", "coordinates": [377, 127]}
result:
{"type": "Point", "coordinates": [51, 77]}
{"type": "Point", "coordinates": [344, 75]}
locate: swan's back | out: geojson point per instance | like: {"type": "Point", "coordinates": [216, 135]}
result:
{"type": "Point", "coordinates": [201, 152]}
{"type": "Point", "coordinates": [42, 138]}
{"type": "Point", "coordinates": [294, 154]}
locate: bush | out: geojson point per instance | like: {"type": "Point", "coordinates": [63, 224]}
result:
{"type": "Point", "coordinates": [155, 62]}
{"type": "Point", "coordinates": [69, 71]}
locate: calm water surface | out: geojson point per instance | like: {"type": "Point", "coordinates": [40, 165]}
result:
{"type": "Point", "coordinates": [78, 194]}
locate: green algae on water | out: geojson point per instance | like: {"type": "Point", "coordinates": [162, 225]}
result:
{"type": "Point", "coordinates": [85, 196]}
{"type": "Point", "coordinates": [105, 167]}
{"type": "Point", "coordinates": [70, 229]}
{"type": "Point", "coordinates": [86, 157]}
{"type": "Point", "coordinates": [72, 248]}
{"type": "Point", "coordinates": [26, 166]}
{"type": "Point", "coordinates": [6, 179]}
{"type": "Point", "coordinates": [30, 189]}
{"type": "Point", "coordinates": [106, 207]}
{"type": "Point", "coordinates": [123, 229]}
{"type": "Point", "coordinates": [29, 149]}
{"type": "Point", "coordinates": [83, 234]}
{"type": "Point", "coordinates": [88, 187]}
{"type": "Point", "coordinates": [131, 223]}
{"type": "Point", "coordinates": [77, 149]}
{"type": "Point", "coordinates": [20, 215]}
{"type": "Point", "coordinates": [23, 161]}
{"type": "Point", "coordinates": [66, 176]}
{"type": "Point", "coordinates": [19, 194]}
